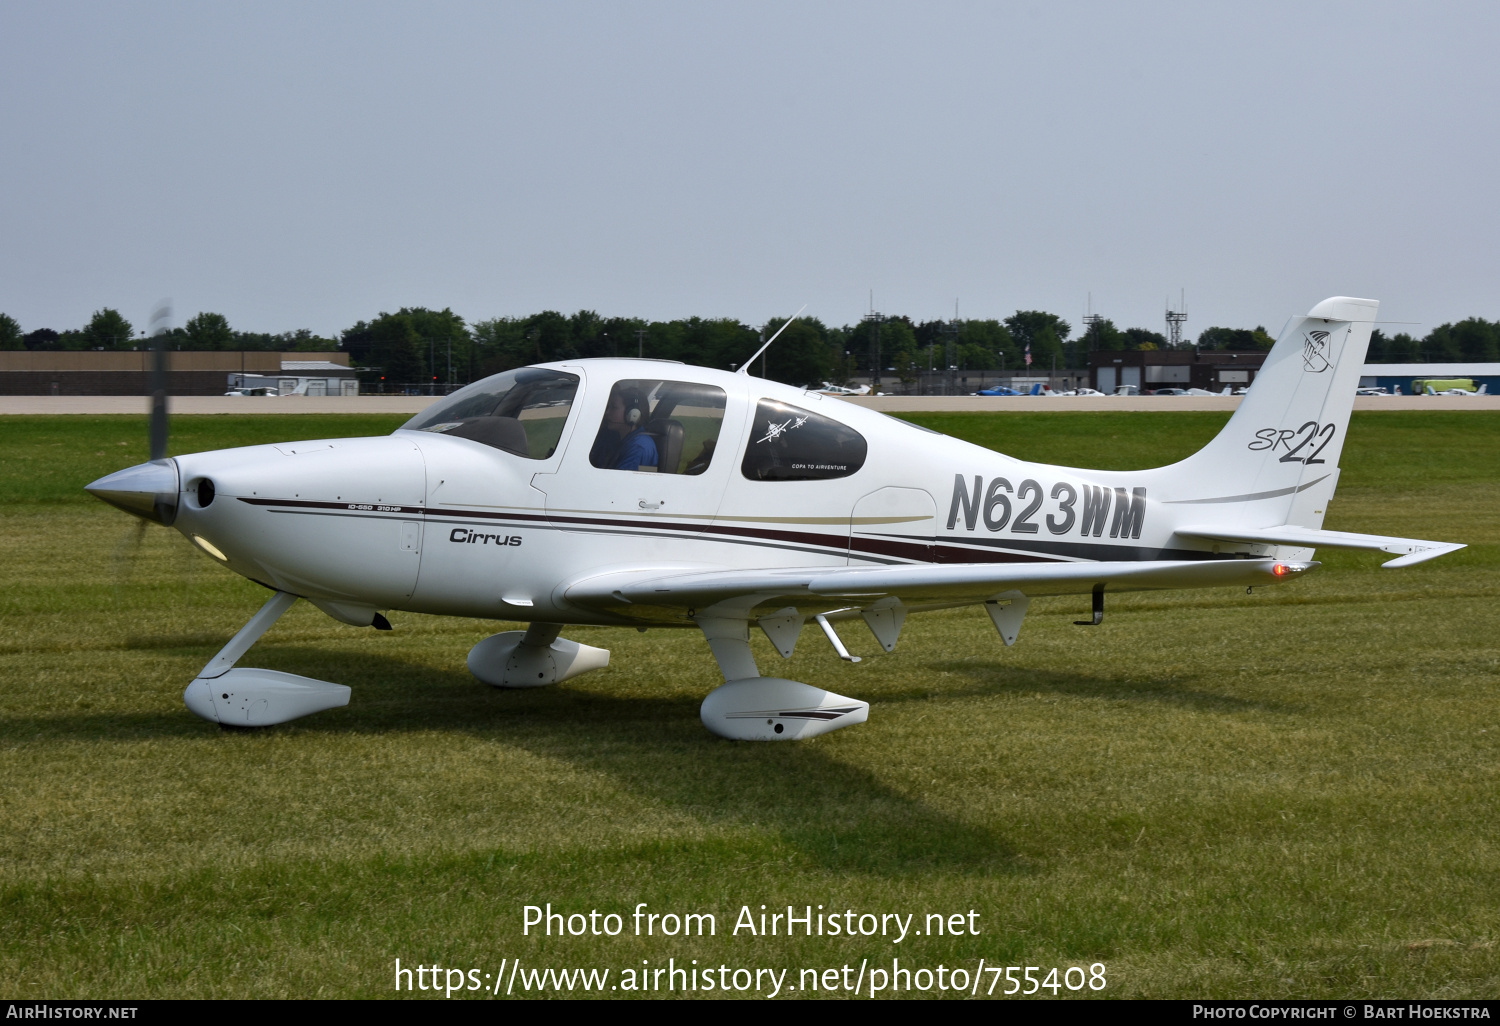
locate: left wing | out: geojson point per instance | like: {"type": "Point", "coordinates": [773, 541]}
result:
{"type": "Point", "coordinates": [748, 593]}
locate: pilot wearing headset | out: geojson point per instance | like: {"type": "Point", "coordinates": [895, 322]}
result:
{"type": "Point", "coordinates": [623, 443]}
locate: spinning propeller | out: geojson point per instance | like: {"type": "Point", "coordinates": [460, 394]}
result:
{"type": "Point", "coordinates": [148, 491]}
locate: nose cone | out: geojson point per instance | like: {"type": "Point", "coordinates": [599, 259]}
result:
{"type": "Point", "coordinates": [148, 490]}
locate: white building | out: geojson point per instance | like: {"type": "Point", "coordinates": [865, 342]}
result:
{"type": "Point", "coordinates": [302, 377]}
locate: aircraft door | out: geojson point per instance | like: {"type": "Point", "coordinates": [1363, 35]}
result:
{"type": "Point", "coordinates": [893, 525]}
{"type": "Point", "coordinates": [646, 461]}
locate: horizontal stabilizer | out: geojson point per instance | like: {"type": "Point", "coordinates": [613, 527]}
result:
{"type": "Point", "coordinates": [1410, 550]}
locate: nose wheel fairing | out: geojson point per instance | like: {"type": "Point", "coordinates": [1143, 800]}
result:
{"type": "Point", "coordinates": [253, 697]}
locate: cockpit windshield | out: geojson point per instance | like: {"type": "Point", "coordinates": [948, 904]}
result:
{"type": "Point", "coordinates": [519, 411]}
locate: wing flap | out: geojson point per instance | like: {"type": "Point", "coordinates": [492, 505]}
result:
{"type": "Point", "coordinates": [1410, 550]}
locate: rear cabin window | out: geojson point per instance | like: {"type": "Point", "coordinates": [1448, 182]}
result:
{"type": "Point", "coordinates": [792, 444]}
{"type": "Point", "coordinates": [520, 411]}
{"type": "Point", "coordinates": [656, 426]}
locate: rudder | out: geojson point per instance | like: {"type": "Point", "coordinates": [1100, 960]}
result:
{"type": "Point", "coordinates": [1277, 458]}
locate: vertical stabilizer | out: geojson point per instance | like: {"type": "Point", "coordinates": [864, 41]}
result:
{"type": "Point", "coordinates": [1276, 461]}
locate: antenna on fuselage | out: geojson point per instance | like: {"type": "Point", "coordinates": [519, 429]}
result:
{"type": "Point", "coordinates": [746, 368]}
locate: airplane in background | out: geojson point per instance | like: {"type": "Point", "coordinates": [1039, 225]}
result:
{"type": "Point", "coordinates": [829, 388]}
{"type": "Point", "coordinates": [1002, 390]}
{"type": "Point", "coordinates": [532, 495]}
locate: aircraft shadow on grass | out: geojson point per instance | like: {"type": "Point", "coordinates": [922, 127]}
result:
{"type": "Point", "coordinates": [187, 643]}
{"type": "Point", "coordinates": [836, 816]}
{"type": "Point", "coordinates": [999, 679]}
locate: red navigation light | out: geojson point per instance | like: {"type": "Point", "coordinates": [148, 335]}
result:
{"type": "Point", "coordinates": [1281, 569]}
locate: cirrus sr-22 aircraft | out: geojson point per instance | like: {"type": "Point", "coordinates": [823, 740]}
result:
{"type": "Point", "coordinates": [646, 493]}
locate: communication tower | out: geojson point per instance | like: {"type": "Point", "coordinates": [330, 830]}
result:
{"type": "Point", "coordinates": [949, 332]}
{"type": "Point", "coordinates": [1175, 320]}
{"type": "Point", "coordinates": [1090, 319]}
{"type": "Point", "coordinates": [875, 320]}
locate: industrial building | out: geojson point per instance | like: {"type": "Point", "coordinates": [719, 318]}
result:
{"type": "Point", "coordinates": [189, 373]}
{"type": "Point", "coordinates": [1391, 376]}
{"type": "Point", "coordinates": [1149, 369]}
{"type": "Point", "coordinates": [1212, 370]}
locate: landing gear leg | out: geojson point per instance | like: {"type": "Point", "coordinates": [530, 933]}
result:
{"type": "Point", "coordinates": [730, 642]}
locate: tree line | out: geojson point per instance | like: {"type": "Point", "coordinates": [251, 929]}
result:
{"type": "Point", "coordinates": [1473, 340]}
{"type": "Point", "coordinates": [108, 330]}
{"type": "Point", "coordinates": [416, 345]}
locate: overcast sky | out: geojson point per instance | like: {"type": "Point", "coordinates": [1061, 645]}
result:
{"type": "Point", "coordinates": [307, 165]}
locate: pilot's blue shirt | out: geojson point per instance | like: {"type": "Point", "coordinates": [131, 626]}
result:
{"type": "Point", "coordinates": [637, 451]}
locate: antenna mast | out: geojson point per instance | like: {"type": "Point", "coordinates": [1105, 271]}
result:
{"type": "Point", "coordinates": [746, 368]}
{"type": "Point", "coordinates": [950, 334]}
{"type": "Point", "coordinates": [1091, 319]}
{"type": "Point", "coordinates": [1175, 320]}
{"type": "Point", "coordinates": [875, 320]}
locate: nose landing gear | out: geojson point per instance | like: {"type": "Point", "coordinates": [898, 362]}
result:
{"type": "Point", "coordinates": [251, 697]}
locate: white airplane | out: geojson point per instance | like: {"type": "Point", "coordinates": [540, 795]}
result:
{"type": "Point", "coordinates": [829, 388]}
{"type": "Point", "coordinates": [741, 503]}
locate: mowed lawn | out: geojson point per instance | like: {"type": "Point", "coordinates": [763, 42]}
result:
{"type": "Point", "coordinates": [1290, 793]}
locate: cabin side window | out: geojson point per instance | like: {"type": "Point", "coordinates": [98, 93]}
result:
{"type": "Point", "coordinates": [792, 444]}
{"type": "Point", "coordinates": [520, 411]}
{"type": "Point", "coordinates": [656, 426]}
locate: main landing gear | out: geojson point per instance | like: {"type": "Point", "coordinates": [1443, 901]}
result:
{"type": "Point", "coordinates": [749, 707]}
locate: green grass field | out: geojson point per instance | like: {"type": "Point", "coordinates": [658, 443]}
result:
{"type": "Point", "coordinates": [1291, 793]}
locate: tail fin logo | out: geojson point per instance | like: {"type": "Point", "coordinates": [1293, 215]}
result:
{"type": "Point", "coordinates": [1315, 352]}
